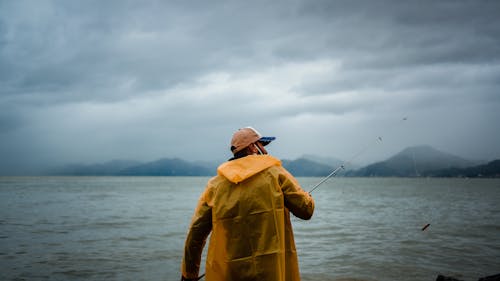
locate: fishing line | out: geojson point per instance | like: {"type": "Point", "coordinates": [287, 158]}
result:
{"type": "Point", "coordinates": [336, 170]}
{"type": "Point", "coordinates": [342, 166]}
{"type": "Point", "coordinates": [414, 163]}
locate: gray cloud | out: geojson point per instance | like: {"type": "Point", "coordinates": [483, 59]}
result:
{"type": "Point", "coordinates": [96, 80]}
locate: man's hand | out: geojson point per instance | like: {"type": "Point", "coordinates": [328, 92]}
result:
{"type": "Point", "coordinates": [191, 279]}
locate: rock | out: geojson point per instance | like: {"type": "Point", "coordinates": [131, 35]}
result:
{"type": "Point", "coordinates": [445, 278]}
{"type": "Point", "coordinates": [495, 277]}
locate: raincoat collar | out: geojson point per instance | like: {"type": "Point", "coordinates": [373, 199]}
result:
{"type": "Point", "coordinates": [243, 168]}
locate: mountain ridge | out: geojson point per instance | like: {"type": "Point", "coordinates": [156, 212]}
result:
{"type": "Point", "coordinates": [412, 161]}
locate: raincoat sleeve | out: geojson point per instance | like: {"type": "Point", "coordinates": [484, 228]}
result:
{"type": "Point", "coordinates": [299, 202]}
{"type": "Point", "coordinates": [201, 225]}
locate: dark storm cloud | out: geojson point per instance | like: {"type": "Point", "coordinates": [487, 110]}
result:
{"type": "Point", "coordinates": [76, 47]}
{"type": "Point", "coordinates": [81, 50]}
{"type": "Point", "coordinates": [134, 74]}
{"type": "Point", "coordinates": [410, 32]}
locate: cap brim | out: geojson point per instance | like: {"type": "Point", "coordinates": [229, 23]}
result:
{"type": "Point", "coordinates": [266, 140]}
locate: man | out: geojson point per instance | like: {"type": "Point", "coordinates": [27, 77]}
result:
{"type": "Point", "coordinates": [247, 208]}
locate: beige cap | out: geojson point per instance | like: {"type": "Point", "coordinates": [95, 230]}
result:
{"type": "Point", "coordinates": [246, 136]}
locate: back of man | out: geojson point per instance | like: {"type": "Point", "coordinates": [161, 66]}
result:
{"type": "Point", "coordinates": [247, 207]}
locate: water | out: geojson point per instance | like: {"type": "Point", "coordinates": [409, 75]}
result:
{"type": "Point", "coordinates": [133, 228]}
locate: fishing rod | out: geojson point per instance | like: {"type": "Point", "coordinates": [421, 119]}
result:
{"type": "Point", "coordinates": [342, 166]}
{"type": "Point", "coordinates": [333, 174]}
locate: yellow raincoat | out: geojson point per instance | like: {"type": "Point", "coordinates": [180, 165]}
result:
{"type": "Point", "coordinates": [247, 207]}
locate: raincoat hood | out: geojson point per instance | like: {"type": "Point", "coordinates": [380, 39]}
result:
{"type": "Point", "coordinates": [241, 169]}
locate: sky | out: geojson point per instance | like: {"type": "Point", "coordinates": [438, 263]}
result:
{"type": "Point", "coordinates": [91, 81]}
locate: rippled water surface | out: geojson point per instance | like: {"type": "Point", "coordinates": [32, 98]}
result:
{"type": "Point", "coordinates": [133, 228]}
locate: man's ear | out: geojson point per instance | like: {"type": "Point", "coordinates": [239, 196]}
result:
{"type": "Point", "coordinates": [251, 149]}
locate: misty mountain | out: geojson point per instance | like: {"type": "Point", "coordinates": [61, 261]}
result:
{"type": "Point", "coordinates": [491, 170]}
{"type": "Point", "coordinates": [177, 167]}
{"type": "Point", "coordinates": [412, 162]}
{"type": "Point", "coordinates": [306, 168]}
{"type": "Point", "coordinates": [161, 167]}
{"type": "Point", "coordinates": [109, 168]}
{"type": "Point", "coordinates": [332, 162]}
{"type": "Point", "coordinates": [329, 161]}
{"type": "Point", "coordinates": [168, 167]}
